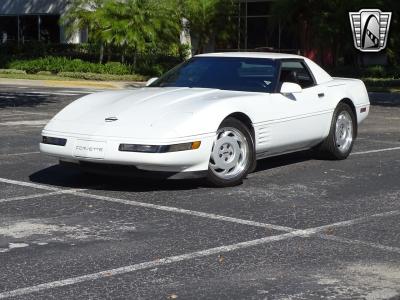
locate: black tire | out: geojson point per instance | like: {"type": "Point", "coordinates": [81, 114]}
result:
{"type": "Point", "coordinates": [329, 148]}
{"type": "Point", "coordinates": [249, 163]}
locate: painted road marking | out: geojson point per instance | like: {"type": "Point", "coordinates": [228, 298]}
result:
{"type": "Point", "coordinates": [29, 184]}
{"type": "Point", "coordinates": [375, 151]}
{"type": "Point", "coordinates": [361, 243]}
{"type": "Point", "coordinates": [31, 196]}
{"type": "Point", "coordinates": [26, 123]}
{"type": "Point", "coordinates": [144, 265]}
{"type": "Point", "coordinates": [149, 205]}
{"type": "Point", "coordinates": [22, 112]}
{"type": "Point", "coordinates": [203, 253]}
{"type": "Point", "coordinates": [183, 257]}
{"type": "Point", "coordinates": [185, 211]}
{"type": "Point", "coordinates": [53, 93]}
{"type": "Point", "coordinates": [198, 213]}
{"type": "Point", "coordinates": [23, 153]}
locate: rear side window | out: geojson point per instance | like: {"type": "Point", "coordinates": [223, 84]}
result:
{"type": "Point", "coordinates": [296, 72]}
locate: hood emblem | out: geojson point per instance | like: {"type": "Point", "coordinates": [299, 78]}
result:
{"type": "Point", "coordinates": [111, 119]}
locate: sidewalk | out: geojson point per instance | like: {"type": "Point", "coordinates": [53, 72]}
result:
{"type": "Point", "coordinates": [73, 83]}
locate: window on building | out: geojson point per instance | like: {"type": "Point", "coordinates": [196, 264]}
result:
{"type": "Point", "coordinates": [8, 29]}
{"type": "Point", "coordinates": [50, 29]}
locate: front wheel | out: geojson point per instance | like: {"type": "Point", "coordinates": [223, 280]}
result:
{"type": "Point", "coordinates": [232, 154]}
{"type": "Point", "coordinates": [340, 140]}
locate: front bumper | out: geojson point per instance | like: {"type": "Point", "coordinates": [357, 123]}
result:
{"type": "Point", "coordinates": [182, 161]}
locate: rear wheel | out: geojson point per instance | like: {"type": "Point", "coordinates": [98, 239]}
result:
{"type": "Point", "coordinates": [339, 143]}
{"type": "Point", "coordinates": [232, 155]}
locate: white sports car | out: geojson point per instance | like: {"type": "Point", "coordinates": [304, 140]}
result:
{"type": "Point", "coordinates": [213, 115]}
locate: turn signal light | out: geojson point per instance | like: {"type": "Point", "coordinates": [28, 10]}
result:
{"type": "Point", "coordinates": [196, 145]}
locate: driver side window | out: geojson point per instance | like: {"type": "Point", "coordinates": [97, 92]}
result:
{"type": "Point", "coordinates": [296, 72]}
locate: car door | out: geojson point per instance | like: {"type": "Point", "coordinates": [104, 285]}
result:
{"type": "Point", "coordinates": [296, 118]}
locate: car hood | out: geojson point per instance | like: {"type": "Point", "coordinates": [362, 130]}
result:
{"type": "Point", "coordinates": [142, 114]}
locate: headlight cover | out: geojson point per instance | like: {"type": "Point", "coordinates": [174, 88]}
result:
{"type": "Point", "coordinates": [159, 148]}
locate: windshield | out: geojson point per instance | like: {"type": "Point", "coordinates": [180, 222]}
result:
{"type": "Point", "coordinates": [225, 73]}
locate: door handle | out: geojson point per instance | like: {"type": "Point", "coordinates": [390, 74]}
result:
{"type": "Point", "coordinates": [320, 95]}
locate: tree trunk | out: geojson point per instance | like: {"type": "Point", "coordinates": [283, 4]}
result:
{"type": "Point", "coordinates": [109, 54]}
{"type": "Point", "coordinates": [134, 60]}
{"type": "Point", "coordinates": [101, 53]}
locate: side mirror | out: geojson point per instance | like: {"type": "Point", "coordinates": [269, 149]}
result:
{"type": "Point", "coordinates": [151, 80]}
{"type": "Point", "coordinates": [290, 88]}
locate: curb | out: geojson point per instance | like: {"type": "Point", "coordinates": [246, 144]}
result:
{"type": "Point", "coordinates": [73, 83]}
{"type": "Point", "coordinates": [59, 83]}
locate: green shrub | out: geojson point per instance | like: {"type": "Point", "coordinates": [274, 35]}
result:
{"type": "Point", "coordinates": [12, 71]}
{"type": "Point", "coordinates": [102, 77]}
{"type": "Point", "coordinates": [375, 71]}
{"type": "Point", "coordinates": [56, 65]}
{"type": "Point", "coordinates": [381, 82]}
{"type": "Point", "coordinates": [116, 68]}
{"type": "Point", "coordinates": [44, 73]}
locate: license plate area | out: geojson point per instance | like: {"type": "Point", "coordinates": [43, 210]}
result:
{"type": "Point", "coordinates": [89, 149]}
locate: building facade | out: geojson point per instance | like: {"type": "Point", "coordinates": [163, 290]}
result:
{"type": "Point", "coordinates": [257, 29]}
{"type": "Point", "coordinates": [35, 20]}
{"type": "Point", "coordinates": [39, 20]}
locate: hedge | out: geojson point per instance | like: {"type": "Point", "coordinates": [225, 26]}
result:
{"type": "Point", "coordinates": [381, 82]}
{"type": "Point", "coordinates": [62, 64]}
{"type": "Point", "coordinates": [374, 71]}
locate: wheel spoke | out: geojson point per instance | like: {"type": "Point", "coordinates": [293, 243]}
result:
{"type": "Point", "coordinates": [228, 157]}
{"type": "Point", "coordinates": [344, 131]}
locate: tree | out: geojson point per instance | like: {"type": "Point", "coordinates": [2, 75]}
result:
{"type": "Point", "coordinates": [82, 15]}
{"type": "Point", "coordinates": [324, 25]}
{"type": "Point", "coordinates": [209, 20]}
{"type": "Point", "coordinates": [138, 25]}
{"type": "Point", "coordinates": [128, 25]}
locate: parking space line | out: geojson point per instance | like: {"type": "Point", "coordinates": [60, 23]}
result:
{"type": "Point", "coordinates": [379, 141]}
{"type": "Point", "coordinates": [375, 151]}
{"type": "Point", "coordinates": [25, 123]}
{"type": "Point", "coordinates": [23, 112]}
{"type": "Point", "coordinates": [290, 233]}
{"type": "Point", "coordinates": [185, 211]}
{"type": "Point", "coordinates": [144, 265]}
{"type": "Point", "coordinates": [22, 153]}
{"type": "Point", "coordinates": [355, 221]}
{"type": "Point", "coordinates": [193, 255]}
{"type": "Point", "coordinates": [33, 196]}
{"type": "Point", "coordinates": [79, 192]}
{"type": "Point", "coordinates": [29, 184]}
{"type": "Point", "coordinates": [52, 93]}
{"type": "Point", "coordinates": [361, 243]}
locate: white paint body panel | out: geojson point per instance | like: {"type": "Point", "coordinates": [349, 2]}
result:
{"type": "Point", "coordinates": [162, 116]}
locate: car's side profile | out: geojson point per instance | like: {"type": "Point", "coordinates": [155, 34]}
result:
{"type": "Point", "coordinates": [214, 115]}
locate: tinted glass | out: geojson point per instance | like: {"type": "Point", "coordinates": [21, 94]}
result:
{"type": "Point", "coordinates": [295, 71]}
{"type": "Point", "coordinates": [225, 73]}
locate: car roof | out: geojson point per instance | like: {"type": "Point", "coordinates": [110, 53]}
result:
{"type": "Point", "coordinates": [320, 75]}
{"type": "Point", "coordinates": [269, 55]}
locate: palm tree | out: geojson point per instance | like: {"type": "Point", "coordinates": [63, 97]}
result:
{"type": "Point", "coordinates": [137, 25]}
{"type": "Point", "coordinates": [82, 15]}
{"type": "Point", "coordinates": [209, 20]}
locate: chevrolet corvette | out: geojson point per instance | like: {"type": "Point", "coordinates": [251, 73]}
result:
{"type": "Point", "coordinates": [214, 116]}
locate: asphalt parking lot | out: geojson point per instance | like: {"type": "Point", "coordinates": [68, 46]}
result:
{"type": "Point", "coordinates": [298, 228]}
